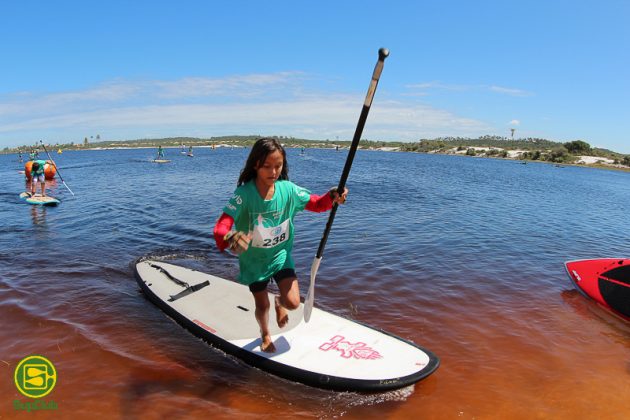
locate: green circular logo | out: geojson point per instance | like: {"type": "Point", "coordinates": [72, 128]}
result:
{"type": "Point", "coordinates": [35, 376]}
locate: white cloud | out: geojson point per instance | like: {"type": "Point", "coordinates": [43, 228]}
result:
{"type": "Point", "coordinates": [514, 122]}
{"type": "Point", "coordinates": [509, 91]}
{"type": "Point", "coordinates": [264, 103]}
{"type": "Point", "coordinates": [102, 96]}
{"type": "Point", "coordinates": [241, 86]}
{"type": "Point", "coordinates": [439, 85]}
{"type": "Point", "coordinates": [462, 88]}
{"type": "Point", "coordinates": [25, 104]}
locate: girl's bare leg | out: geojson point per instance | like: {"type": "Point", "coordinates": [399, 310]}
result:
{"type": "Point", "coordinates": [262, 316]}
{"type": "Point", "coordinates": [288, 300]}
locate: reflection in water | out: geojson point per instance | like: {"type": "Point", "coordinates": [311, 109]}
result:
{"type": "Point", "coordinates": [619, 328]}
{"type": "Point", "coordinates": [38, 215]}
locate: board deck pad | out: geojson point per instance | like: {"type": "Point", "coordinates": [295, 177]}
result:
{"type": "Point", "coordinates": [605, 280]}
{"type": "Point", "coordinates": [329, 352]}
{"type": "Point", "coordinates": [39, 200]}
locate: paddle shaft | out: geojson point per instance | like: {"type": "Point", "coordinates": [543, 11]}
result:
{"type": "Point", "coordinates": [382, 54]}
{"type": "Point", "coordinates": [57, 168]}
{"type": "Point", "coordinates": [310, 296]}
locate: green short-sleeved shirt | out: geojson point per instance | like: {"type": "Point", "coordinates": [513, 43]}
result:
{"type": "Point", "coordinates": [271, 224]}
{"type": "Point", "coordinates": [40, 171]}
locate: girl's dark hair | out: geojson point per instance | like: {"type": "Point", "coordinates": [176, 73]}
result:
{"type": "Point", "coordinates": [258, 155]}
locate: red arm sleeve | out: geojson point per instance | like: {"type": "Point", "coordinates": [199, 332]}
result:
{"type": "Point", "coordinates": [319, 203]}
{"type": "Point", "coordinates": [221, 228]}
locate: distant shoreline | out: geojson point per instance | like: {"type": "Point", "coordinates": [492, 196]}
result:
{"type": "Point", "coordinates": [583, 161]}
{"type": "Point", "coordinates": [445, 148]}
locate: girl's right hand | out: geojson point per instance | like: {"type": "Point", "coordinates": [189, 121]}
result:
{"type": "Point", "coordinates": [238, 242]}
{"type": "Point", "coordinates": [339, 199]}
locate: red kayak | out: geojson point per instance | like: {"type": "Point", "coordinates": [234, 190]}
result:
{"type": "Point", "coordinates": [606, 280]}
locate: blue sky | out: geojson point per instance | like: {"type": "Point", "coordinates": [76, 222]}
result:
{"type": "Point", "coordinates": [145, 69]}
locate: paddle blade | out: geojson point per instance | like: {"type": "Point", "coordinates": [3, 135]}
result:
{"type": "Point", "coordinates": [310, 296]}
{"type": "Point", "coordinates": [68, 188]}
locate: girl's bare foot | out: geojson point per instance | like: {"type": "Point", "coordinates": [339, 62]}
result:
{"type": "Point", "coordinates": [282, 317]}
{"type": "Point", "coordinates": [267, 344]}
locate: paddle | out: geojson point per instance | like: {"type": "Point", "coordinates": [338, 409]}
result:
{"type": "Point", "coordinates": [58, 173]}
{"type": "Point", "coordinates": [310, 296]}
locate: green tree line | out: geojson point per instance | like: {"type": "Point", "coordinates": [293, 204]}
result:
{"type": "Point", "coordinates": [496, 146]}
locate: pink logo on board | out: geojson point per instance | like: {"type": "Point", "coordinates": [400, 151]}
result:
{"type": "Point", "coordinates": [349, 350]}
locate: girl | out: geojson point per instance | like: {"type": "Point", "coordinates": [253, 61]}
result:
{"type": "Point", "coordinates": [262, 210]}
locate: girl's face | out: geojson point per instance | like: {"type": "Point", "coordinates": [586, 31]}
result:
{"type": "Point", "coordinates": [268, 172]}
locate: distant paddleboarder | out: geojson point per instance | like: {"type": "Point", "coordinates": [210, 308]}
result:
{"type": "Point", "coordinates": [37, 175]}
{"type": "Point", "coordinates": [262, 210]}
{"type": "Point", "coordinates": [160, 153]}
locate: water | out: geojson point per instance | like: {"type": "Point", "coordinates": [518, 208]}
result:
{"type": "Point", "coordinates": [463, 256]}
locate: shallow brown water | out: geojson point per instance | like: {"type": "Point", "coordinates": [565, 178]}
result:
{"type": "Point", "coordinates": [462, 256]}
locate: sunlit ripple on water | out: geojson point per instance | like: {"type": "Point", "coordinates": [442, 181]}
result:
{"type": "Point", "coordinates": [460, 255]}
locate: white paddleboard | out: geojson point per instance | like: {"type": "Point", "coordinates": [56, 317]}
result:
{"type": "Point", "coordinates": [329, 352]}
{"type": "Point", "coordinates": [160, 161]}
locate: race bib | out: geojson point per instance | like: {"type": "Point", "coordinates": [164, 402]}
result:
{"type": "Point", "coordinates": [269, 237]}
